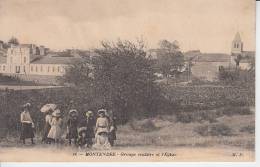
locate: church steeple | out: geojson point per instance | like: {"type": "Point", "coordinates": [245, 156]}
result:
{"type": "Point", "coordinates": [237, 45]}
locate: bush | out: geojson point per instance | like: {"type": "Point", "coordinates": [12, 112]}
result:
{"type": "Point", "coordinates": [231, 110]}
{"type": "Point", "coordinates": [146, 125]}
{"type": "Point", "coordinates": [214, 130]}
{"type": "Point", "coordinates": [248, 129]}
{"type": "Point", "coordinates": [197, 116]}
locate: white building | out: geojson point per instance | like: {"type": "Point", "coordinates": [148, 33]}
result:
{"type": "Point", "coordinates": [29, 60]}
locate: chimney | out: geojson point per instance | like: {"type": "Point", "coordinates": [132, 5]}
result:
{"type": "Point", "coordinates": [1, 45]}
{"type": "Point", "coordinates": [42, 50]}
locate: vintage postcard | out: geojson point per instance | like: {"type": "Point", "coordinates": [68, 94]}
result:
{"type": "Point", "coordinates": [127, 80]}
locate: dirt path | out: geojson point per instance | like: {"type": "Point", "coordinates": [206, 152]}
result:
{"type": "Point", "coordinates": [126, 154]}
{"type": "Point", "coordinates": [17, 87]}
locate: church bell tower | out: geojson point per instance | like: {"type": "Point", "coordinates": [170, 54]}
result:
{"type": "Point", "coordinates": [236, 49]}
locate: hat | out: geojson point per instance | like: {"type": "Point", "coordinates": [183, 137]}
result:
{"type": "Point", "coordinates": [56, 113]}
{"type": "Point", "coordinates": [73, 111]}
{"type": "Point", "coordinates": [27, 105]}
{"type": "Point", "coordinates": [88, 113]}
{"type": "Point", "coordinates": [102, 111]}
{"type": "Point", "coordinates": [81, 130]}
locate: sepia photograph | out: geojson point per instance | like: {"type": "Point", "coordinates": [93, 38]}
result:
{"type": "Point", "coordinates": [127, 80]}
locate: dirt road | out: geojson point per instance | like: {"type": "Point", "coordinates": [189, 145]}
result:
{"type": "Point", "coordinates": [183, 154]}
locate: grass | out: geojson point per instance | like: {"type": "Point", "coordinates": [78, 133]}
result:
{"type": "Point", "coordinates": [173, 134]}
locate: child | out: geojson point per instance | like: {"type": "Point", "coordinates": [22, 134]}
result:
{"type": "Point", "coordinates": [72, 126]}
{"type": "Point", "coordinates": [82, 140]}
{"type": "Point", "coordinates": [56, 123]}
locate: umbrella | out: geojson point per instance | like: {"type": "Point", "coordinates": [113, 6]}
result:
{"type": "Point", "coordinates": [48, 107]}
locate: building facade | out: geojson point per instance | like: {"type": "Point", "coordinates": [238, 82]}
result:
{"type": "Point", "coordinates": [29, 62]}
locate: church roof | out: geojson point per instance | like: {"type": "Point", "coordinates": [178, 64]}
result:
{"type": "Point", "coordinates": [237, 37]}
{"type": "Point", "coordinates": [206, 57]}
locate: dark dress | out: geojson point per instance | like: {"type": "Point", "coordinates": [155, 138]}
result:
{"type": "Point", "coordinates": [27, 131]}
{"type": "Point", "coordinates": [112, 134]}
{"type": "Point", "coordinates": [46, 129]}
{"type": "Point", "coordinates": [91, 123]}
{"type": "Point", "coordinates": [72, 127]}
{"type": "Point", "coordinates": [82, 141]}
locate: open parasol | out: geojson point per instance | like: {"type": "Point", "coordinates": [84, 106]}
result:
{"type": "Point", "coordinates": [48, 107]}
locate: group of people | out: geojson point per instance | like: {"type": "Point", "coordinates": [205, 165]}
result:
{"type": "Point", "coordinates": [84, 132]}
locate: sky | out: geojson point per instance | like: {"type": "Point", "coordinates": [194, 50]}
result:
{"type": "Point", "coordinates": [207, 25]}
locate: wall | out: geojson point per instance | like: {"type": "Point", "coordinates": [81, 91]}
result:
{"type": "Point", "coordinates": [207, 70]}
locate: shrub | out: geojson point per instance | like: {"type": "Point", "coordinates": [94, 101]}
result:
{"type": "Point", "coordinates": [248, 129]}
{"type": "Point", "coordinates": [214, 130]}
{"type": "Point", "coordinates": [197, 116]}
{"type": "Point", "coordinates": [146, 125]}
{"type": "Point", "coordinates": [231, 110]}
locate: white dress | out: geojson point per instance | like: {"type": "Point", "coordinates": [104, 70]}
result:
{"type": "Point", "coordinates": [55, 131]}
{"type": "Point", "coordinates": [101, 137]}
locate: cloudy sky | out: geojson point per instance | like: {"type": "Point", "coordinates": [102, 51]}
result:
{"type": "Point", "coordinates": [208, 25]}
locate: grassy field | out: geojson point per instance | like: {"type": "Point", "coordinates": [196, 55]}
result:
{"type": "Point", "coordinates": [165, 132]}
{"type": "Point", "coordinates": [211, 122]}
{"type": "Point", "coordinates": [158, 135]}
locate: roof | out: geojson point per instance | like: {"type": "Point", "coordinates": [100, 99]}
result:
{"type": "Point", "coordinates": [206, 57]}
{"type": "Point", "coordinates": [248, 53]}
{"type": "Point", "coordinates": [53, 58]}
{"type": "Point", "coordinates": [237, 37]}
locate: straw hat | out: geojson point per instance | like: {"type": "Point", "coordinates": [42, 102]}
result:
{"type": "Point", "coordinates": [102, 111]}
{"type": "Point", "coordinates": [27, 105]}
{"type": "Point", "coordinates": [89, 113]}
{"type": "Point", "coordinates": [81, 130]}
{"type": "Point", "coordinates": [56, 113]}
{"type": "Point", "coordinates": [73, 111]}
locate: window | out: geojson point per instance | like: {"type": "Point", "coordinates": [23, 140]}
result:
{"type": "Point", "coordinates": [36, 68]}
{"type": "Point", "coordinates": [24, 59]}
{"type": "Point", "coordinates": [58, 69]}
{"type": "Point", "coordinates": [53, 69]}
{"type": "Point", "coordinates": [41, 69]}
{"type": "Point", "coordinates": [24, 69]}
{"type": "Point", "coordinates": [31, 68]}
{"type": "Point", "coordinates": [3, 68]}
{"type": "Point", "coordinates": [235, 45]}
{"type": "Point", "coordinates": [48, 69]}
{"type": "Point", "coordinates": [238, 45]}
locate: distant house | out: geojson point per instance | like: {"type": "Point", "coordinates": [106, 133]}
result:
{"type": "Point", "coordinates": [206, 65]}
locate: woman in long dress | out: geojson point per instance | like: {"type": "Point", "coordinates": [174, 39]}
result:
{"type": "Point", "coordinates": [72, 125]}
{"type": "Point", "coordinates": [47, 127]}
{"type": "Point", "coordinates": [102, 131]}
{"type": "Point", "coordinates": [90, 128]}
{"type": "Point", "coordinates": [27, 130]}
{"type": "Point", "coordinates": [56, 124]}
{"type": "Point", "coordinates": [113, 129]}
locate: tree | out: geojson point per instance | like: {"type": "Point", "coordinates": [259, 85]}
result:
{"type": "Point", "coordinates": [123, 78]}
{"type": "Point", "coordinates": [237, 60]}
{"type": "Point", "coordinates": [171, 60]}
{"type": "Point", "coordinates": [14, 41]}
